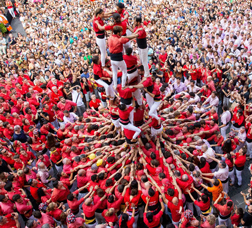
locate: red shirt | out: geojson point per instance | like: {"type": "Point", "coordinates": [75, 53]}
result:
{"type": "Point", "coordinates": [115, 44]}
{"type": "Point", "coordinates": [240, 160]}
{"type": "Point", "coordinates": [124, 115]}
{"type": "Point", "coordinates": [67, 106]}
{"type": "Point", "coordinates": [129, 222]}
{"type": "Point", "coordinates": [95, 104]}
{"type": "Point", "coordinates": [123, 24]}
{"type": "Point", "coordinates": [156, 220]}
{"type": "Point", "coordinates": [175, 209]}
{"type": "Point", "coordinates": [60, 194]}
{"type": "Point", "coordinates": [95, 26]}
{"type": "Point", "coordinates": [134, 200]}
{"type": "Point", "coordinates": [10, 222]}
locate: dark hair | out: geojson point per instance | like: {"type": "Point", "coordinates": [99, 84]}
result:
{"type": "Point", "coordinates": [128, 51]}
{"type": "Point", "coordinates": [138, 19]}
{"type": "Point", "coordinates": [95, 59]}
{"type": "Point", "coordinates": [117, 29]}
{"type": "Point", "coordinates": [125, 219]}
{"type": "Point", "coordinates": [151, 192]}
{"type": "Point", "coordinates": [149, 216]}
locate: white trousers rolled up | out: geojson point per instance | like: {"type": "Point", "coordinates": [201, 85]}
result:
{"type": "Point", "coordinates": [231, 175]}
{"type": "Point", "coordinates": [149, 100]}
{"type": "Point", "coordinates": [131, 127]}
{"type": "Point", "coordinates": [143, 54]}
{"type": "Point", "coordinates": [224, 132]}
{"type": "Point", "coordinates": [108, 88]}
{"type": "Point", "coordinates": [153, 110]}
{"type": "Point", "coordinates": [122, 66]}
{"type": "Point", "coordinates": [137, 94]}
{"type": "Point", "coordinates": [239, 176]}
{"type": "Point", "coordinates": [102, 46]}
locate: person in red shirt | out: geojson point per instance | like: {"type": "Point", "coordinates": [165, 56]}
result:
{"type": "Point", "coordinates": [9, 220]}
{"type": "Point", "coordinates": [95, 103]}
{"type": "Point", "coordinates": [142, 45]}
{"type": "Point", "coordinates": [150, 219]}
{"type": "Point", "coordinates": [124, 221]}
{"type": "Point", "coordinates": [125, 123]}
{"type": "Point", "coordinates": [132, 73]}
{"type": "Point", "coordinates": [89, 209]}
{"type": "Point", "coordinates": [68, 105]}
{"type": "Point", "coordinates": [239, 161]}
{"type": "Point", "coordinates": [60, 192]}
{"type": "Point", "coordinates": [100, 34]}
{"type": "Point", "coordinates": [100, 77]}
{"type": "Point", "coordinates": [115, 43]}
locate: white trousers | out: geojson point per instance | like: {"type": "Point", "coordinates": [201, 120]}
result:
{"type": "Point", "coordinates": [149, 100]}
{"type": "Point", "coordinates": [108, 88]}
{"type": "Point", "coordinates": [224, 132]}
{"type": "Point", "coordinates": [143, 54]}
{"type": "Point", "coordinates": [116, 123]}
{"type": "Point", "coordinates": [249, 147]}
{"type": "Point", "coordinates": [131, 127]}
{"type": "Point", "coordinates": [231, 175]}
{"type": "Point", "coordinates": [226, 222]}
{"type": "Point", "coordinates": [102, 46]}
{"type": "Point", "coordinates": [153, 110]}
{"type": "Point", "coordinates": [239, 176]}
{"type": "Point", "coordinates": [11, 10]}
{"type": "Point", "coordinates": [137, 94]}
{"type": "Point", "coordinates": [128, 44]}
{"type": "Point", "coordinates": [225, 186]}
{"type": "Point", "coordinates": [122, 66]}
{"type": "Point", "coordinates": [132, 76]}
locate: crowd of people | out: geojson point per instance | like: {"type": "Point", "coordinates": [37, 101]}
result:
{"type": "Point", "coordinates": [134, 114]}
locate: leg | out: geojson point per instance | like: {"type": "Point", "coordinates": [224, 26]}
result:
{"type": "Point", "coordinates": [102, 46]}
{"type": "Point", "coordinates": [104, 84]}
{"type": "Point", "coordinates": [137, 94]}
{"type": "Point", "coordinates": [123, 68]}
{"type": "Point", "coordinates": [232, 176]}
{"type": "Point", "coordinates": [153, 110]}
{"type": "Point", "coordinates": [239, 177]}
{"type": "Point", "coordinates": [111, 91]}
{"type": "Point", "coordinates": [132, 128]}
{"type": "Point", "coordinates": [114, 65]}
{"type": "Point", "coordinates": [149, 100]}
{"type": "Point", "coordinates": [144, 60]}
{"type": "Point", "coordinates": [224, 132]}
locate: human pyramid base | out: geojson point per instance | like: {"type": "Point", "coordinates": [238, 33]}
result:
{"type": "Point", "coordinates": [116, 118]}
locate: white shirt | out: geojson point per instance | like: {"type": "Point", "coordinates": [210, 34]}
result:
{"type": "Point", "coordinates": [213, 101]}
{"type": "Point", "coordinates": [225, 117]}
{"type": "Point", "coordinates": [78, 101]}
{"type": "Point", "coordinates": [242, 136]}
{"type": "Point", "coordinates": [210, 152]}
{"type": "Point", "coordinates": [222, 174]}
{"type": "Point", "coordinates": [72, 118]}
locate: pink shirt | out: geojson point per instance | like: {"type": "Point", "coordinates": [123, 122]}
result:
{"type": "Point", "coordinates": [67, 168]}
{"type": "Point", "coordinates": [67, 106]}
{"type": "Point", "coordinates": [7, 207]}
{"type": "Point", "coordinates": [23, 207]}
{"type": "Point", "coordinates": [46, 219]}
{"type": "Point", "coordinates": [78, 222]}
{"type": "Point", "coordinates": [30, 176]}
